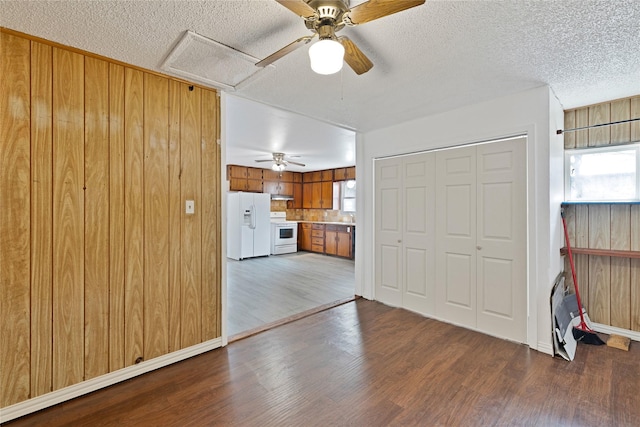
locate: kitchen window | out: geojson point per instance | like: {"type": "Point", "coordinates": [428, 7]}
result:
{"type": "Point", "coordinates": [603, 174]}
{"type": "Point", "coordinates": [344, 196]}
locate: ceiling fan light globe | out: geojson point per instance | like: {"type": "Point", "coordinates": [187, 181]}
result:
{"type": "Point", "coordinates": [326, 56]}
{"type": "Point", "coordinates": [277, 167]}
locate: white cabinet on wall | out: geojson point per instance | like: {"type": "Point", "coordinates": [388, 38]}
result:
{"type": "Point", "coordinates": [405, 234]}
{"type": "Point", "coordinates": [451, 235]}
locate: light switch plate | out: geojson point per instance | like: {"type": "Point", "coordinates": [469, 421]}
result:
{"type": "Point", "coordinates": [190, 207]}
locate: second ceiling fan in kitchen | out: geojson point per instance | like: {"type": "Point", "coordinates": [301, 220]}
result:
{"type": "Point", "coordinates": [326, 17]}
{"type": "Point", "coordinates": [279, 162]}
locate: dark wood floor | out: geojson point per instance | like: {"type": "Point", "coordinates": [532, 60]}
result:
{"type": "Point", "coordinates": [366, 364]}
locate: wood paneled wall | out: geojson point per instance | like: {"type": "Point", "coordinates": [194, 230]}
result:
{"type": "Point", "coordinates": [606, 112]}
{"type": "Point", "coordinates": [609, 286]}
{"type": "Point", "coordinates": [100, 266]}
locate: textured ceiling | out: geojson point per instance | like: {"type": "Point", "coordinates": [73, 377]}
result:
{"type": "Point", "coordinates": [432, 58]}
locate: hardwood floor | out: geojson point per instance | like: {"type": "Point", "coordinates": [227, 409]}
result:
{"type": "Point", "coordinates": [264, 290]}
{"type": "Point", "coordinates": [366, 364]}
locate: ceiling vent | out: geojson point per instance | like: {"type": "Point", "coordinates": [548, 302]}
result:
{"type": "Point", "coordinates": [197, 58]}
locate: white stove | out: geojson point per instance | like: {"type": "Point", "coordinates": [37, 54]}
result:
{"type": "Point", "coordinates": [284, 234]}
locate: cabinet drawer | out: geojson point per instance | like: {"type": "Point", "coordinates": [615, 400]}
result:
{"type": "Point", "coordinates": [317, 241]}
{"type": "Point", "coordinates": [317, 248]}
{"type": "Point", "coordinates": [305, 225]}
{"type": "Point", "coordinates": [317, 233]}
{"type": "Point", "coordinates": [318, 226]}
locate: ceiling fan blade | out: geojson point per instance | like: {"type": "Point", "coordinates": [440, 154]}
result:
{"type": "Point", "coordinates": [295, 163]}
{"type": "Point", "coordinates": [353, 56]}
{"type": "Point", "coordinates": [299, 7]}
{"type": "Point", "coordinates": [260, 161]}
{"type": "Point", "coordinates": [374, 9]}
{"type": "Point", "coordinates": [285, 50]}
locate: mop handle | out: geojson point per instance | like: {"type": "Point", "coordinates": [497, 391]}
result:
{"type": "Point", "coordinates": [573, 268]}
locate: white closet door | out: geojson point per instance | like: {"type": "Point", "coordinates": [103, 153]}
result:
{"type": "Point", "coordinates": [456, 236]}
{"type": "Point", "coordinates": [388, 238]}
{"type": "Point", "coordinates": [501, 239]}
{"type": "Point", "coordinates": [419, 233]}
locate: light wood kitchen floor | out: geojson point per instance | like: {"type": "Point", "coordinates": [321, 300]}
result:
{"type": "Point", "coordinates": [268, 289]}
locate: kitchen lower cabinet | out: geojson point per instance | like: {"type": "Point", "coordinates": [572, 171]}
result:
{"type": "Point", "coordinates": [304, 236]}
{"type": "Point", "coordinates": [337, 240]}
{"type": "Point", "coordinates": [317, 238]}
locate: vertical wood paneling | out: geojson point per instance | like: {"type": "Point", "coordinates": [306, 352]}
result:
{"type": "Point", "coordinates": [620, 267]}
{"type": "Point", "coordinates": [68, 218]}
{"type": "Point", "coordinates": [175, 217]}
{"type": "Point", "coordinates": [599, 275]}
{"type": "Point", "coordinates": [15, 283]}
{"type": "Point", "coordinates": [635, 268]}
{"type": "Point", "coordinates": [582, 120]}
{"type": "Point", "coordinates": [599, 114]}
{"type": "Point", "coordinates": [582, 261]}
{"type": "Point", "coordinates": [99, 264]}
{"type": "Point", "coordinates": [133, 215]}
{"type": "Point", "coordinates": [96, 211]}
{"type": "Point", "coordinates": [116, 217]}
{"type": "Point", "coordinates": [210, 219]}
{"type": "Point", "coordinates": [218, 189]}
{"type": "Point", "coordinates": [569, 123]}
{"type": "Point", "coordinates": [599, 227]}
{"type": "Point", "coordinates": [621, 110]}
{"type": "Point", "coordinates": [156, 216]}
{"type": "Point", "coordinates": [41, 217]}
{"type": "Point", "coordinates": [191, 330]}
{"type": "Point", "coordinates": [635, 114]}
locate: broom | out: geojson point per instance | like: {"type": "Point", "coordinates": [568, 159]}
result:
{"type": "Point", "coordinates": [581, 332]}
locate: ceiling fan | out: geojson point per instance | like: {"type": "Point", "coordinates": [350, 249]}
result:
{"type": "Point", "coordinates": [326, 17]}
{"type": "Point", "coordinates": [279, 162]}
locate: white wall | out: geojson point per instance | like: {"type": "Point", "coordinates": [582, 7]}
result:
{"type": "Point", "coordinates": [536, 113]}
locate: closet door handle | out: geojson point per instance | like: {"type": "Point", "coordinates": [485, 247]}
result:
{"type": "Point", "coordinates": [479, 248]}
{"type": "Point", "coordinates": [399, 241]}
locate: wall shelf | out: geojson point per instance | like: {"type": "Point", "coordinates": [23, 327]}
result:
{"type": "Point", "coordinates": [601, 252]}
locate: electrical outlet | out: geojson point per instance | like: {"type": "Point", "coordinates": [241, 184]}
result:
{"type": "Point", "coordinates": [190, 207]}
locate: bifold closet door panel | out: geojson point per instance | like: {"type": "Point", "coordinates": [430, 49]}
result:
{"type": "Point", "coordinates": [388, 239]}
{"type": "Point", "coordinates": [501, 239]}
{"type": "Point", "coordinates": [456, 235]}
{"type": "Point", "coordinates": [418, 250]}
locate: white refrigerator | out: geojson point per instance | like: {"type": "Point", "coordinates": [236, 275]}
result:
{"type": "Point", "coordinates": [248, 225]}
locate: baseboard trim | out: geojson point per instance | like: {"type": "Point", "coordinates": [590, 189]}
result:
{"type": "Point", "coordinates": [37, 403]}
{"type": "Point", "coordinates": [545, 347]}
{"type": "Point", "coordinates": [606, 329]}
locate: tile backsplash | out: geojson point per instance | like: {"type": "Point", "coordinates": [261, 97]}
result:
{"type": "Point", "coordinates": [320, 215]}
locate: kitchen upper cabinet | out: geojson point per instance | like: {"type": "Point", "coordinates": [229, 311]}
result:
{"type": "Point", "coordinates": [271, 175]}
{"type": "Point", "coordinates": [242, 178]}
{"type": "Point", "coordinates": [338, 240]}
{"type": "Point", "coordinates": [317, 195]}
{"type": "Point", "coordinates": [344, 174]}
{"type": "Point", "coordinates": [296, 203]}
{"type": "Point", "coordinates": [278, 187]}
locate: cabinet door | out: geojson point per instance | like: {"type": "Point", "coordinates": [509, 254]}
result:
{"type": "Point", "coordinates": [343, 244]}
{"type": "Point", "coordinates": [307, 195]}
{"type": "Point", "coordinates": [326, 175]}
{"type": "Point", "coordinates": [331, 242]}
{"type": "Point", "coordinates": [237, 184]}
{"type": "Point", "coordinates": [350, 173]}
{"type": "Point", "coordinates": [234, 171]}
{"type": "Point", "coordinates": [326, 195]}
{"type": "Point", "coordinates": [296, 203]}
{"type": "Point", "coordinates": [316, 196]}
{"type": "Point", "coordinates": [340, 174]}
{"type": "Point", "coordinates": [297, 176]}
{"type": "Point", "coordinates": [254, 173]}
{"type": "Point", "coordinates": [271, 187]}
{"type": "Point", "coordinates": [304, 237]}
{"type": "Point", "coordinates": [254, 185]}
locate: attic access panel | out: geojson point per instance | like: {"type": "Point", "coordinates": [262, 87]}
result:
{"type": "Point", "coordinates": [198, 58]}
